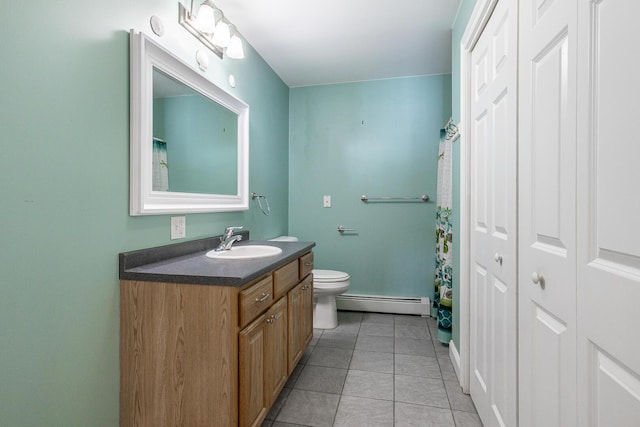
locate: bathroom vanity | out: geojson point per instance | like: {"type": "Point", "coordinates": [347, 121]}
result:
{"type": "Point", "coordinates": [209, 342]}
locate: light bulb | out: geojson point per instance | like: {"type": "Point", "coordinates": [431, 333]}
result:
{"type": "Point", "coordinates": [222, 35]}
{"type": "Point", "coordinates": [206, 18]}
{"type": "Point", "coordinates": [235, 49]}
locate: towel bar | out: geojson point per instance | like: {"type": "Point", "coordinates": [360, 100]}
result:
{"type": "Point", "coordinates": [423, 198]}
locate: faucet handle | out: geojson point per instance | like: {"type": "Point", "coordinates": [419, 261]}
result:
{"type": "Point", "coordinates": [229, 230]}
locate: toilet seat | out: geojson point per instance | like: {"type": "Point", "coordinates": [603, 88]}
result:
{"type": "Point", "coordinates": [329, 276]}
{"type": "Point", "coordinates": [329, 279]}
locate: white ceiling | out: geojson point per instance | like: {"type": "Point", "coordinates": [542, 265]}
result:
{"type": "Point", "coordinates": [333, 41]}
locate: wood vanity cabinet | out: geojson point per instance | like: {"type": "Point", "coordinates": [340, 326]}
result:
{"type": "Point", "coordinates": [201, 355]}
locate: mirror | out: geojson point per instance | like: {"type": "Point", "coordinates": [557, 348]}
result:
{"type": "Point", "coordinates": [189, 138]}
{"type": "Point", "coordinates": [195, 140]}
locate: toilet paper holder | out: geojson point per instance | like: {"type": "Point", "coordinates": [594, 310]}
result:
{"type": "Point", "coordinates": [341, 229]}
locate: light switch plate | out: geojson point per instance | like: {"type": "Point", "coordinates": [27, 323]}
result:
{"type": "Point", "coordinates": [326, 201]}
{"type": "Point", "coordinates": [178, 227]}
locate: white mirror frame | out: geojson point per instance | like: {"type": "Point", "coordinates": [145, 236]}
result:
{"type": "Point", "coordinates": [145, 56]}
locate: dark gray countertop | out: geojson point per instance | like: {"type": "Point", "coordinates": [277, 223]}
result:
{"type": "Point", "coordinates": [186, 263]}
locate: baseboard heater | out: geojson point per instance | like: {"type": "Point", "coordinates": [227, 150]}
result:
{"type": "Point", "coordinates": [384, 304]}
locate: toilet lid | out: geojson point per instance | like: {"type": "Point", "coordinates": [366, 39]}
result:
{"type": "Point", "coordinates": [329, 276]}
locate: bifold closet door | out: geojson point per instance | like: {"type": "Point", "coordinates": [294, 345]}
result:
{"type": "Point", "coordinates": [547, 213]}
{"type": "Point", "coordinates": [608, 213]}
{"type": "Point", "coordinates": [493, 321]}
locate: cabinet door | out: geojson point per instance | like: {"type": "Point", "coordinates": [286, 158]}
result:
{"type": "Point", "coordinates": [307, 312]}
{"type": "Point", "coordinates": [252, 342]}
{"type": "Point", "coordinates": [295, 300]}
{"type": "Point", "coordinates": [275, 357]}
{"type": "Point", "coordinates": [300, 320]}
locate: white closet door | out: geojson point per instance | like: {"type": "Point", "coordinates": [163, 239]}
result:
{"type": "Point", "coordinates": [608, 213]}
{"type": "Point", "coordinates": [547, 213]}
{"type": "Point", "coordinates": [493, 311]}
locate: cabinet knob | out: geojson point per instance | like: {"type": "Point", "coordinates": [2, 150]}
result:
{"type": "Point", "coordinates": [537, 278]}
{"type": "Point", "coordinates": [308, 264]}
{"type": "Point", "coordinates": [498, 258]}
{"type": "Point", "coordinates": [263, 298]}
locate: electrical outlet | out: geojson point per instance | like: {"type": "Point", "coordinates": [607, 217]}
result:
{"type": "Point", "coordinates": [326, 201]}
{"type": "Point", "coordinates": [178, 227]}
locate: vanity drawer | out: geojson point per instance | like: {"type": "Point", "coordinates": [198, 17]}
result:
{"type": "Point", "coordinates": [306, 264]}
{"type": "Point", "coordinates": [255, 299]}
{"type": "Point", "coordinates": [285, 278]}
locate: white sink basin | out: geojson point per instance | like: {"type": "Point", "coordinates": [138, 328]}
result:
{"type": "Point", "coordinates": [245, 252]}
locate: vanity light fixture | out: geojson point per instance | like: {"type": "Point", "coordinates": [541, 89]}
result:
{"type": "Point", "coordinates": [235, 49]}
{"type": "Point", "coordinates": [209, 25]}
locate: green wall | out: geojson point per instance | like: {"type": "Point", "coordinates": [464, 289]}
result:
{"type": "Point", "coordinates": [464, 13]}
{"type": "Point", "coordinates": [64, 167]}
{"type": "Point", "coordinates": [378, 138]}
{"type": "Point", "coordinates": [202, 144]}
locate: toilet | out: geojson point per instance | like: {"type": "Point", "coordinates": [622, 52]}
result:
{"type": "Point", "coordinates": [327, 284]}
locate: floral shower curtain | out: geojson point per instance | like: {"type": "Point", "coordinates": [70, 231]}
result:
{"type": "Point", "coordinates": [443, 294]}
{"type": "Point", "coordinates": [160, 179]}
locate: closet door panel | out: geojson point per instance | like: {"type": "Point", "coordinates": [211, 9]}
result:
{"type": "Point", "coordinates": [549, 88]}
{"type": "Point", "coordinates": [502, 152]}
{"type": "Point", "coordinates": [501, 352]}
{"type": "Point", "coordinates": [549, 343]}
{"type": "Point", "coordinates": [616, 389]}
{"type": "Point", "coordinates": [493, 166]}
{"type": "Point", "coordinates": [480, 329]}
{"type": "Point", "coordinates": [615, 105]}
{"type": "Point", "coordinates": [608, 205]}
{"type": "Point", "coordinates": [547, 213]}
{"type": "Point", "coordinates": [480, 184]}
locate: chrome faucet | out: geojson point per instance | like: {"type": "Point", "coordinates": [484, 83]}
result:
{"type": "Point", "coordinates": [228, 238]}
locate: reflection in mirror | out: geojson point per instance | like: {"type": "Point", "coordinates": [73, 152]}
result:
{"type": "Point", "coordinates": [189, 138]}
{"type": "Point", "coordinates": [194, 140]}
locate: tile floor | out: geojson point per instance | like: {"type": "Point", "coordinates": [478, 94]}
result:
{"type": "Point", "coordinates": [374, 370]}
